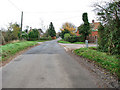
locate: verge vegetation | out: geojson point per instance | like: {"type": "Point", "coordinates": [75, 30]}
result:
{"type": "Point", "coordinates": [11, 49]}
{"type": "Point", "coordinates": [62, 41]}
{"type": "Point", "coordinates": [108, 62]}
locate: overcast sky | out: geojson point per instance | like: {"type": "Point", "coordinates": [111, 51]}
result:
{"type": "Point", "coordinates": [39, 13]}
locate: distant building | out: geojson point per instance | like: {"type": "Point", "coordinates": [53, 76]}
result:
{"type": "Point", "coordinates": [94, 31]}
{"type": "Point", "coordinates": [94, 28]}
{"type": "Point", "coordinates": [40, 32]}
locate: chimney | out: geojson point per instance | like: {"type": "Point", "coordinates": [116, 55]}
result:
{"type": "Point", "coordinates": [93, 21]}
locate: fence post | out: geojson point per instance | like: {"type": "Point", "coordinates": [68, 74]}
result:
{"type": "Point", "coordinates": [86, 42]}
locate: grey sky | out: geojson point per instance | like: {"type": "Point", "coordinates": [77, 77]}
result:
{"type": "Point", "coordinates": [38, 12]}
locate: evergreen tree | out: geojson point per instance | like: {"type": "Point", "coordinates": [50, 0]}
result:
{"type": "Point", "coordinates": [51, 30]}
{"type": "Point", "coordinates": [86, 26]}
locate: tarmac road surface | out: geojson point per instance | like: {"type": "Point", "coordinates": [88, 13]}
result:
{"type": "Point", "coordinates": [46, 66]}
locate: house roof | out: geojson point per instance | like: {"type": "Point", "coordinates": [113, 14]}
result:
{"type": "Point", "coordinates": [40, 30]}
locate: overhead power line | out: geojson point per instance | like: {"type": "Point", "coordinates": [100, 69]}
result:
{"type": "Point", "coordinates": [20, 11]}
{"type": "Point", "coordinates": [14, 5]}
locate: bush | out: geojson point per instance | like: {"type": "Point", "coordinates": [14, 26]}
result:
{"type": "Point", "coordinates": [8, 36]}
{"type": "Point", "coordinates": [109, 31]}
{"type": "Point", "coordinates": [46, 38]}
{"type": "Point", "coordinates": [109, 41]}
{"type": "Point", "coordinates": [23, 35]}
{"type": "Point", "coordinates": [66, 36]}
{"type": "Point", "coordinates": [33, 35]}
{"type": "Point", "coordinates": [63, 33]}
{"type": "Point", "coordinates": [49, 38]}
{"type": "Point", "coordinates": [73, 39]}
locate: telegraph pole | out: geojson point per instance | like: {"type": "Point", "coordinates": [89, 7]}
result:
{"type": "Point", "coordinates": [21, 20]}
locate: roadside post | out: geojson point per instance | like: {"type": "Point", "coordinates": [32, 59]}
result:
{"type": "Point", "coordinates": [86, 42]}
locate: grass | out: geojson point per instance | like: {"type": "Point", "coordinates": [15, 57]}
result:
{"type": "Point", "coordinates": [62, 41]}
{"type": "Point", "coordinates": [79, 43]}
{"type": "Point", "coordinates": [93, 48]}
{"type": "Point", "coordinates": [11, 49]}
{"type": "Point", "coordinates": [109, 62]}
{"type": "Point", "coordinates": [42, 40]}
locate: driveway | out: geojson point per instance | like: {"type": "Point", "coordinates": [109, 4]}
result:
{"type": "Point", "coordinates": [75, 46]}
{"type": "Point", "coordinates": [46, 66]}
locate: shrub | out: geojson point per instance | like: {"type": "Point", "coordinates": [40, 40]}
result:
{"type": "Point", "coordinates": [73, 39]}
{"type": "Point", "coordinates": [49, 38]}
{"type": "Point", "coordinates": [63, 33]}
{"type": "Point", "coordinates": [46, 38]}
{"type": "Point", "coordinates": [109, 31]}
{"type": "Point", "coordinates": [8, 36]}
{"type": "Point", "coordinates": [33, 35]}
{"type": "Point", "coordinates": [23, 35]}
{"type": "Point", "coordinates": [109, 40]}
{"type": "Point", "coordinates": [66, 36]}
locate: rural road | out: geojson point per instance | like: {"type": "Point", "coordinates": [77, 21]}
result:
{"type": "Point", "coordinates": [46, 66]}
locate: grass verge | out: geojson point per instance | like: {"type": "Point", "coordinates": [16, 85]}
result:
{"type": "Point", "coordinates": [11, 49]}
{"type": "Point", "coordinates": [42, 40]}
{"type": "Point", "coordinates": [108, 62]}
{"type": "Point", "coordinates": [62, 41]}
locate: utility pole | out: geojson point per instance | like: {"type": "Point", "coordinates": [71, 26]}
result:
{"type": "Point", "coordinates": [21, 20]}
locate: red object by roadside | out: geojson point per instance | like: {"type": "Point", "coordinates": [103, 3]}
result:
{"type": "Point", "coordinates": [53, 37]}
